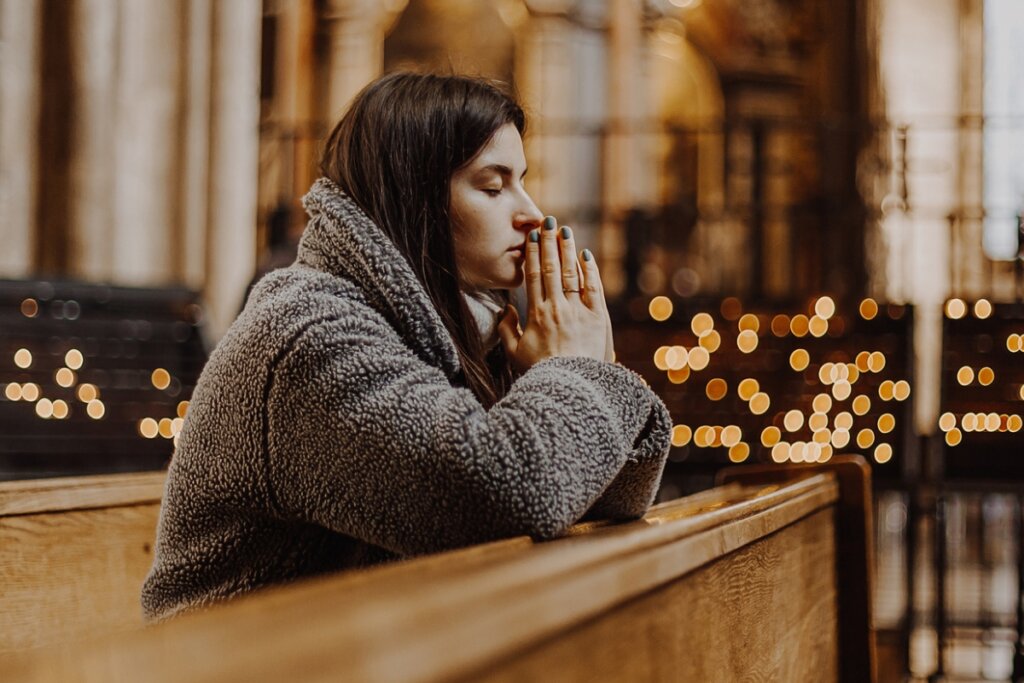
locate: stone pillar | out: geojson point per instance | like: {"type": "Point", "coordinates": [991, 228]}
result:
{"type": "Point", "coordinates": [234, 158]}
{"type": "Point", "coordinates": [19, 115]}
{"type": "Point", "coordinates": [294, 78]}
{"type": "Point", "coordinates": [195, 161]}
{"type": "Point", "coordinates": [356, 31]}
{"type": "Point", "coordinates": [148, 110]}
{"type": "Point", "coordinates": [95, 90]}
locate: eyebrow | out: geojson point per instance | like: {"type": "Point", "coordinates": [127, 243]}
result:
{"type": "Point", "coordinates": [501, 169]}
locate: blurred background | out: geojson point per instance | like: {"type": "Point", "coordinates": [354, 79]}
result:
{"type": "Point", "coordinates": [808, 215]}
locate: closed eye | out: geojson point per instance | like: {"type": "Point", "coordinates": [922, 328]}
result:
{"type": "Point", "coordinates": [492, 192]}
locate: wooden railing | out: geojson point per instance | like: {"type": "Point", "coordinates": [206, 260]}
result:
{"type": "Point", "coordinates": [745, 582]}
{"type": "Point", "coordinates": [73, 555]}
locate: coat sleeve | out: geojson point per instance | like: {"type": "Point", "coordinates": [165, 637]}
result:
{"type": "Point", "coordinates": [367, 439]}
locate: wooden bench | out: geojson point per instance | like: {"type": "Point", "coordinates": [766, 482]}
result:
{"type": "Point", "coordinates": [73, 554]}
{"type": "Point", "coordinates": [747, 581]}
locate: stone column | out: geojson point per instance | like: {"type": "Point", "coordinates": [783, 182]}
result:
{"type": "Point", "coordinates": [19, 115]}
{"type": "Point", "coordinates": [234, 158]}
{"type": "Point", "coordinates": [195, 150]}
{"type": "Point", "coordinates": [148, 110]}
{"type": "Point", "coordinates": [95, 91]}
{"type": "Point", "coordinates": [356, 30]}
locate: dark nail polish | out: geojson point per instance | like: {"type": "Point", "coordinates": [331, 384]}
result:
{"type": "Point", "coordinates": [534, 236]}
{"type": "Point", "coordinates": [549, 223]}
{"type": "Point", "coordinates": [587, 256]}
{"type": "Point", "coordinates": [566, 233]}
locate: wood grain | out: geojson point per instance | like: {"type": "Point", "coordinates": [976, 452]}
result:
{"type": "Point", "coordinates": [76, 493]}
{"type": "Point", "coordinates": [469, 610]}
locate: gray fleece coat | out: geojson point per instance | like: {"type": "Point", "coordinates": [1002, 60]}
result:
{"type": "Point", "coordinates": [330, 429]}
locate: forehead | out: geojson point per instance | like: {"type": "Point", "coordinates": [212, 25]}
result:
{"type": "Point", "coordinates": [505, 148]}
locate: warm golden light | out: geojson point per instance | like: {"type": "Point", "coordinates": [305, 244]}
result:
{"type": "Point", "coordinates": [862, 361]}
{"type": "Point", "coordinates": [825, 307]}
{"type": "Point", "coordinates": [60, 409]}
{"type": "Point", "coordinates": [13, 391]}
{"type": "Point", "coordinates": [992, 422]}
{"type": "Point", "coordinates": [843, 420]}
{"type": "Point", "coordinates": [982, 309]}
{"type": "Point", "coordinates": [87, 392]}
{"type": "Point", "coordinates": [799, 325]}
{"type": "Point", "coordinates": [739, 453]}
{"type": "Point", "coordinates": [886, 390]}
{"type": "Point", "coordinates": [822, 436]}
{"type": "Point", "coordinates": [1021, 392]}
{"type": "Point", "coordinates": [841, 390]}
{"type": "Point", "coordinates": [986, 376]}
{"type": "Point", "coordinates": [30, 391]}
{"type": "Point", "coordinates": [164, 427]}
{"type": "Point", "coordinates": [747, 388]}
{"type": "Point", "coordinates": [883, 453]}
{"type": "Point", "coordinates": [95, 409]}
{"type": "Point", "coordinates": [731, 435]}
{"type": "Point", "coordinates": [886, 423]}
{"type": "Point", "coordinates": [965, 375]}
{"type": "Point", "coordinates": [955, 309]}
{"type": "Point", "coordinates": [770, 436]}
{"type": "Point", "coordinates": [817, 422]}
{"type": "Point", "coordinates": [876, 361]}
{"type": "Point", "coordinates": [148, 428]}
{"type": "Point", "coordinates": [825, 373]}
{"type": "Point", "coordinates": [796, 451]}
{"type": "Point", "coordinates": [841, 438]}
{"type": "Point", "coordinates": [947, 421]}
{"type": "Point", "coordinates": [746, 341]}
{"type": "Point", "coordinates": [676, 358]}
{"type": "Point", "coordinates": [799, 360]}
{"type": "Point", "coordinates": [716, 389]}
{"type": "Point", "coordinates": [710, 341]}
{"type": "Point", "coordinates": [969, 422]}
{"type": "Point", "coordinates": [74, 359]}
{"type": "Point", "coordinates": [822, 403]}
{"type": "Point", "coordinates": [660, 308]}
{"type": "Point", "coordinates": [699, 358]}
{"type": "Point", "coordinates": [681, 435]}
{"type": "Point", "coordinates": [953, 437]}
{"type": "Point", "coordinates": [901, 390]}
{"type": "Point", "coordinates": [749, 322]}
{"type": "Point", "coordinates": [868, 309]}
{"type": "Point", "coordinates": [759, 403]}
{"type": "Point", "coordinates": [44, 408]}
{"type": "Point", "coordinates": [852, 373]}
{"type": "Point", "coordinates": [780, 452]}
{"type": "Point", "coordinates": [679, 376]}
{"type": "Point", "coordinates": [161, 378]}
{"type": "Point", "coordinates": [861, 405]}
{"type": "Point", "coordinates": [865, 438]}
{"type": "Point", "coordinates": [826, 453]}
{"type": "Point", "coordinates": [1014, 423]}
{"type": "Point", "coordinates": [23, 358]}
{"type": "Point", "coordinates": [780, 325]}
{"type": "Point", "coordinates": [793, 421]}
{"type": "Point", "coordinates": [701, 323]}
{"type": "Point", "coordinates": [660, 357]}
{"type": "Point", "coordinates": [1013, 343]}
{"type": "Point", "coordinates": [817, 326]}
{"type": "Point", "coordinates": [702, 436]}
{"type": "Point", "coordinates": [64, 377]}
{"type": "Point", "coordinates": [29, 308]}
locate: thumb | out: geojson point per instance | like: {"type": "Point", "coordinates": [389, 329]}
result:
{"type": "Point", "coordinates": [508, 328]}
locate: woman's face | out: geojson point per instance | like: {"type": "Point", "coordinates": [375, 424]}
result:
{"type": "Point", "coordinates": [491, 214]}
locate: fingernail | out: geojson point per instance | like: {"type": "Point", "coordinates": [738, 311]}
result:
{"type": "Point", "coordinates": [549, 223]}
{"type": "Point", "coordinates": [534, 235]}
{"type": "Point", "coordinates": [587, 256]}
{"type": "Point", "coordinates": [566, 233]}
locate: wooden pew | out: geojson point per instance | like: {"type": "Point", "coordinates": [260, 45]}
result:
{"type": "Point", "coordinates": [73, 554]}
{"type": "Point", "coordinates": [739, 583]}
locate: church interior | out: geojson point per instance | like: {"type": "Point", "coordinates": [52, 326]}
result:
{"type": "Point", "coordinates": [810, 220]}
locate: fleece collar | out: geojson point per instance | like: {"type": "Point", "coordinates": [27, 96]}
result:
{"type": "Point", "coordinates": [342, 240]}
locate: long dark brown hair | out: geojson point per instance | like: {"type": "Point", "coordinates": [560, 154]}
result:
{"type": "Point", "coordinates": [394, 152]}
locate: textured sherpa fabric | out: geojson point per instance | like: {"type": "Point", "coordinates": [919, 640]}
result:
{"type": "Point", "coordinates": [331, 429]}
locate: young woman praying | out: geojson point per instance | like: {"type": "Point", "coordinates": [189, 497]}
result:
{"type": "Point", "coordinates": [380, 398]}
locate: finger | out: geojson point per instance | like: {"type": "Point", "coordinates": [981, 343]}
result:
{"type": "Point", "coordinates": [570, 270]}
{"type": "Point", "coordinates": [550, 267]}
{"type": "Point", "coordinates": [534, 288]}
{"type": "Point", "coordinates": [508, 329]}
{"type": "Point", "coordinates": [593, 291]}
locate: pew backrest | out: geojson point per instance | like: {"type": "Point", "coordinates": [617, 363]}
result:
{"type": "Point", "coordinates": [73, 554]}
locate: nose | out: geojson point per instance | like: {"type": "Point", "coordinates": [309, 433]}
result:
{"type": "Point", "coordinates": [528, 216]}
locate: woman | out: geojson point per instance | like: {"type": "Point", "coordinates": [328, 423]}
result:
{"type": "Point", "coordinates": [368, 404]}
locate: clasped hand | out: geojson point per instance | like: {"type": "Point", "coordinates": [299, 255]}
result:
{"type": "Point", "coordinates": [566, 310]}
